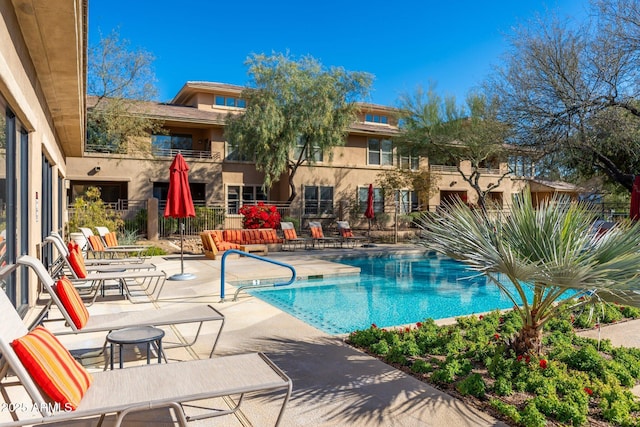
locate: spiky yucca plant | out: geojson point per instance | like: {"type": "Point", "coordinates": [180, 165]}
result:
{"type": "Point", "coordinates": [550, 249]}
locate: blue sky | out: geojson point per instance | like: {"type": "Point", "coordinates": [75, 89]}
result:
{"type": "Point", "coordinates": [404, 44]}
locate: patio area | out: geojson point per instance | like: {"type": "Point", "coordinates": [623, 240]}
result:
{"type": "Point", "coordinates": [333, 384]}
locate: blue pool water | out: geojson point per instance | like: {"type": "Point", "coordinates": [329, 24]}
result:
{"type": "Point", "coordinates": [389, 291]}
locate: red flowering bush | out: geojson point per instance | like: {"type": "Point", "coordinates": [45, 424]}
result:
{"type": "Point", "coordinates": [260, 216]}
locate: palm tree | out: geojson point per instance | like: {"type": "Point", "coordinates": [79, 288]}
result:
{"type": "Point", "coordinates": [551, 250]}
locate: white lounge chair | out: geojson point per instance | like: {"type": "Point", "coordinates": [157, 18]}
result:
{"type": "Point", "coordinates": [142, 388]}
{"type": "Point", "coordinates": [347, 238]}
{"type": "Point", "coordinates": [190, 314]}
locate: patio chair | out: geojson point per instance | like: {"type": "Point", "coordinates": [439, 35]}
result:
{"type": "Point", "coordinates": [318, 237]}
{"type": "Point", "coordinates": [62, 264]}
{"type": "Point", "coordinates": [69, 392]}
{"type": "Point", "coordinates": [110, 240]}
{"type": "Point", "coordinates": [347, 238]}
{"type": "Point", "coordinates": [94, 281]}
{"type": "Point", "coordinates": [97, 249]}
{"type": "Point", "coordinates": [74, 315]}
{"type": "Point", "coordinates": [291, 239]}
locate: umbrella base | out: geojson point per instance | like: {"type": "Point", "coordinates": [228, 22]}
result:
{"type": "Point", "coordinates": [182, 276]}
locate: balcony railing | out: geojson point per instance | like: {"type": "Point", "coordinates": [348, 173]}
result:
{"type": "Point", "coordinates": [443, 168]}
{"type": "Point", "coordinates": [191, 154]}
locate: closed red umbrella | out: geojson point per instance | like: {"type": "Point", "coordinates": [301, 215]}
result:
{"type": "Point", "coordinates": [179, 205]}
{"type": "Point", "coordinates": [634, 210]}
{"type": "Point", "coordinates": [369, 212]}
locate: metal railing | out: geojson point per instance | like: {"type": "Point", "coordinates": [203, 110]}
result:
{"type": "Point", "coordinates": [255, 285]}
{"type": "Point", "coordinates": [191, 154]}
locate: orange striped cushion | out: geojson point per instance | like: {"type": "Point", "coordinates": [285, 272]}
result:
{"type": "Point", "coordinates": [52, 367]}
{"type": "Point", "coordinates": [77, 264]}
{"type": "Point", "coordinates": [111, 239]}
{"type": "Point", "coordinates": [217, 240]}
{"type": "Point", "coordinates": [223, 246]}
{"type": "Point", "coordinates": [290, 233]}
{"type": "Point", "coordinates": [251, 236]}
{"type": "Point", "coordinates": [96, 243]}
{"type": "Point", "coordinates": [316, 233]}
{"type": "Point", "coordinates": [346, 232]}
{"type": "Point", "coordinates": [268, 235]}
{"type": "Point", "coordinates": [72, 302]}
{"type": "Point", "coordinates": [234, 236]}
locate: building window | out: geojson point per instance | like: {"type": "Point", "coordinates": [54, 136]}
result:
{"type": "Point", "coordinates": [380, 152]}
{"type": "Point", "coordinates": [318, 200]}
{"type": "Point", "coordinates": [407, 201]}
{"type": "Point", "coordinates": [495, 199]}
{"type": "Point", "coordinates": [408, 162]}
{"type": "Point", "coordinates": [376, 118]}
{"type": "Point", "coordinates": [233, 153]}
{"type": "Point", "coordinates": [378, 199]}
{"type": "Point", "coordinates": [522, 166]}
{"type": "Point", "coordinates": [238, 195]}
{"type": "Point", "coordinates": [163, 144]}
{"type": "Point", "coordinates": [230, 101]}
{"type": "Point", "coordinates": [313, 151]}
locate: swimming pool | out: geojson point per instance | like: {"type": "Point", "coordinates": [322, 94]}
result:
{"type": "Point", "coordinates": [390, 291]}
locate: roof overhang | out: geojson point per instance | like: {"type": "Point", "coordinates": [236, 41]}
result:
{"type": "Point", "coordinates": [55, 33]}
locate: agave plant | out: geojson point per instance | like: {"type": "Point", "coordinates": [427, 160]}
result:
{"type": "Point", "coordinates": [550, 249]}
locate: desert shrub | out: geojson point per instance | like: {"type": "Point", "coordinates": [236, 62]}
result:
{"type": "Point", "coordinates": [473, 385]}
{"type": "Point", "coordinates": [421, 366]}
{"type": "Point", "coordinates": [532, 417]}
{"type": "Point", "coordinates": [505, 409]}
{"type": "Point", "coordinates": [502, 387]}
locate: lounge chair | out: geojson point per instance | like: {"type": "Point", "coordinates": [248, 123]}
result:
{"type": "Point", "coordinates": [110, 239]}
{"type": "Point", "coordinates": [97, 249]}
{"type": "Point", "coordinates": [63, 263]}
{"type": "Point", "coordinates": [106, 322]}
{"type": "Point", "coordinates": [347, 238]}
{"type": "Point", "coordinates": [94, 280]}
{"type": "Point", "coordinates": [291, 239]}
{"type": "Point", "coordinates": [64, 249]}
{"type": "Point", "coordinates": [123, 391]}
{"type": "Point", "coordinates": [318, 237]}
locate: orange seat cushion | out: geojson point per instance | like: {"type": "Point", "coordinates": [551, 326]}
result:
{"type": "Point", "coordinates": [76, 261]}
{"type": "Point", "coordinates": [251, 236]}
{"type": "Point", "coordinates": [233, 236]}
{"type": "Point", "coordinates": [290, 233]}
{"type": "Point", "coordinates": [96, 243]}
{"type": "Point", "coordinates": [268, 235]}
{"type": "Point", "coordinates": [223, 246]}
{"type": "Point", "coordinates": [72, 302]}
{"type": "Point", "coordinates": [346, 232]}
{"type": "Point", "coordinates": [52, 367]}
{"type": "Point", "coordinates": [316, 233]}
{"type": "Point", "coordinates": [111, 239]}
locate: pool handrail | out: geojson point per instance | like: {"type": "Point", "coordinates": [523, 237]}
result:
{"type": "Point", "coordinates": [258, 285]}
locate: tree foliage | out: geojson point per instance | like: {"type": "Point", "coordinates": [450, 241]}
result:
{"type": "Point", "coordinates": [296, 111]}
{"type": "Point", "coordinates": [119, 80]}
{"type": "Point", "coordinates": [448, 134]}
{"type": "Point", "coordinates": [570, 89]}
{"type": "Point", "coordinates": [546, 250]}
{"type": "Point", "coordinates": [422, 181]}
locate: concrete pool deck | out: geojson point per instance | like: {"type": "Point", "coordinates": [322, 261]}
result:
{"type": "Point", "coordinates": [333, 384]}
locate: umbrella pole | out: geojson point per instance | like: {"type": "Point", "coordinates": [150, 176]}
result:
{"type": "Point", "coordinates": [182, 275]}
{"type": "Point", "coordinates": [182, 247]}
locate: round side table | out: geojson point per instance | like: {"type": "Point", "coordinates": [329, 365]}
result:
{"type": "Point", "coordinates": [136, 335]}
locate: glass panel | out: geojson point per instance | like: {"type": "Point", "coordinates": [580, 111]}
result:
{"type": "Point", "coordinates": [241, 103]}
{"type": "Point", "coordinates": [368, 118]}
{"type": "Point", "coordinates": [219, 100]}
{"type": "Point", "coordinates": [384, 120]}
{"type": "Point", "coordinates": [326, 200]}
{"type": "Point", "coordinates": [247, 194]}
{"type": "Point", "coordinates": [386, 155]}
{"type": "Point", "coordinates": [374, 151]}
{"type": "Point", "coordinates": [233, 199]}
{"type": "Point", "coordinates": [161, 141]}
{"type": "Point", "coordinates": [231, 102]}
{"type": "Point", "coordinates": [181, 142]}
{"type": "Point", "coordinates": [310, 200]}
{"type": "Point", "coordinates": [260, 194]}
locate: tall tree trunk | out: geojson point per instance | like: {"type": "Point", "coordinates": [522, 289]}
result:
{"type": "Point", "coordinates": [292, 187]}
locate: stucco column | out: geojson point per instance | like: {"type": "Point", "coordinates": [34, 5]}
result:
{"type": "Point", "coordinates": [152, 219]}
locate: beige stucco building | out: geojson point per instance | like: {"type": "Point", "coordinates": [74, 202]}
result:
{"type": "Point", "coordinates": [334, 187]}
{"type": "Point", "coordinates": [42, 95]}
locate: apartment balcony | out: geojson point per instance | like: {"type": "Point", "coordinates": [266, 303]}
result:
{"type": "Point", "coordinates": [450, 169]}
{"type": "Point", "coordinates": [157, 152]}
